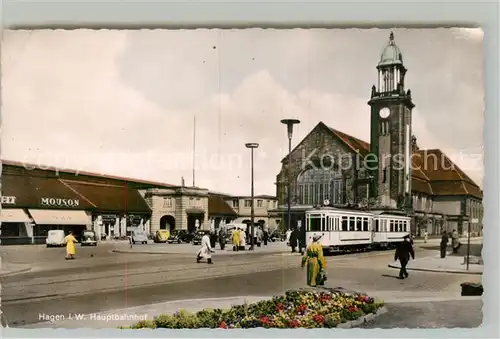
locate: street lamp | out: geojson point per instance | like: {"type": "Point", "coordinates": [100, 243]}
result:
{"type": "Point", "coordinates": [252, 211]}
{"type": "Point", "coordinates": [289, 126]}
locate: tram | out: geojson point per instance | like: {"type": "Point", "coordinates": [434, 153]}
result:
{"type": "Point", "coordinates": [344, 230]}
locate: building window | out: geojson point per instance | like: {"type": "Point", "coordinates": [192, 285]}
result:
{"type": "Point", "coordinates": [248, 203]}
{"type": "Point", "coordinates": [259, 203]}
{"type": "Point", "coordinates": [191, 202]}
{"type": "Point", "coordinates": [235, 203]}
{"type": "Point", "coordinates": [167, 202]}
{"type": "Point", "coordinates": [317, 185]}
{"type": "Point", "coordinates": [198, 202]}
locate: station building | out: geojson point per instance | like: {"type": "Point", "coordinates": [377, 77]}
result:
{"type": "Point", "coordinates": [388, 173]}
{"type": "Point", "coordinates": [35, 200]}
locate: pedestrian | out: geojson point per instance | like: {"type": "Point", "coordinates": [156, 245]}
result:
{"type": "Point", "coordinates": [302, 239]}
{"type": "Point", "coordinates": [426, 235]}
{"type": "Point", "coordinates": [213, 238]}
{"type": "Point", "coordinates": [130, 240]}
{"type": "Point", "coordinates": [455, 243]}
{"type": "Point", "coordinates": [243, 239]}
{"type": "Point", "coordinates": [288, 234]}
{"type": "Point", "coordinates": [222, 239]}
{"type": "Point", "coordinates": [443, 244]}
{"type": "Point", "coordinates": [403, 252]}
{"type": "Point", "coordinates": [316, 263]}
{"type": "Point", "coordinates": [70, 241]}
{"type": "Point", "coordinates": [293, 240]}
{"type": "Point", "coordinates": [265, 236]}
{"type": "Point", "coordinates": [206, 250]}
{"type": "Point", "coordinates": [235, 239]}
{"type": "Point", "coordinates": [259, 236]}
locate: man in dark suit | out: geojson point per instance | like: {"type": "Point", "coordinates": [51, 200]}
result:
{"type": "Point", "coordinates": [403, 252]}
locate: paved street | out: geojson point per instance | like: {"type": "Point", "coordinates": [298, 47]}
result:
{"type": "Point", "coordinates": [107, 280]}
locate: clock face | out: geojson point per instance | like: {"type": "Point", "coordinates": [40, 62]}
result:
{"type": "Point", "coordinates": [385, 112]}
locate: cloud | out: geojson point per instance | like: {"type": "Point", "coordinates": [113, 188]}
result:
{"type": "Point", "coordinates": [123, 102]}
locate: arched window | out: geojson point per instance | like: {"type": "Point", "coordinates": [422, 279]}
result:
{"type": "Point", "coordinates": [316, 185]}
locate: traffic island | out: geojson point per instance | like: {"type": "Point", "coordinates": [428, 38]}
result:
{"type": "Point", "coordinates": [305, 308]}
{"type": "Point", "coordinates": [470, 289]}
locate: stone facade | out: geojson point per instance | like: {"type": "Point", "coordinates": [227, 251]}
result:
{"type": "Point", "coordinates": [178, 208]}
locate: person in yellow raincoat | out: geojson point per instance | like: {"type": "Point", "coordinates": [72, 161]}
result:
{"type": "Point", "coordinates": [235, 239]}
{"type": "Point", "coordinates": [316, 264]}
{"type": "Point", "coordinates": [70, 241]}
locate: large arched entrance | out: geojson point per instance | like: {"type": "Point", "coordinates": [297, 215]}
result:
{"type": "Point", "coordinates": [167, 222]}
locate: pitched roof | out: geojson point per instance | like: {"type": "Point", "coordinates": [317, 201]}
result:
{"type": "Point", "coordinates": [433, 173]}
{"type": "Point", "coordinates": [110, 198]}
{"type": "Point", "coordinates": [58, 172]}
{"type": "Point", "coordinates": [217, 206]}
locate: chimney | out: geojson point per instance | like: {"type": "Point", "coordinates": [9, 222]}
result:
{"type": "Point", "coordinates": [182, 182]}
{"type": "Point", "coordinates": [414, 145]}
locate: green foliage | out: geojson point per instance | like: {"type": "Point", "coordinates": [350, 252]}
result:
{"type": "Point", "coordinates": [294, 309]}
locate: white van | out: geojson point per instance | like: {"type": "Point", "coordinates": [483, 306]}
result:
{"type": "Point", "coordinates": [55, 238]}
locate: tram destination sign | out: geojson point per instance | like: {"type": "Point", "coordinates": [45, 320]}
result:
{"type": "Point", "coordinates": [60, 202]}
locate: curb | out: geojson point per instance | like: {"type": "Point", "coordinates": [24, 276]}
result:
{"type": "Point", "coordinates": [437, 270]}
{"type": "Point", "coordinates": [8, 274]}
{"type": "Point", "coordinates": [228, 253]}
{"type": "Point", "coordinates": [363, 319]}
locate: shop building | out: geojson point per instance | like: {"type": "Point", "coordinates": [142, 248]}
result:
{"type": "Point", "coordinates": [36, 200]}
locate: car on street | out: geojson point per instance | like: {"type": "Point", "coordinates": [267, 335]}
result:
{"type": "Point", "coordinates": [55, 238]}
{"type": "Point", "coordinates": [88, 238]}
{"type": "Point", "coordinates": [198, 236]}
{"type": "Point", "coordinates": [139, 237]}
{"type": "Point", "coordinates": [179, 236]}
{"type": "Point", "coordinates": [161, 236]}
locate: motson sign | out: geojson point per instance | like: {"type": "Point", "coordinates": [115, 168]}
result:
{"type": "Point", "coordinates": [60, 202]}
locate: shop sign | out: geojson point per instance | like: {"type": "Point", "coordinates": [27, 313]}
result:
{"type": "Point", "coordinates": [60, 202]}
{"type": "Point", "coordinates": [109, 219]}
{"type": "Point", "coordinates": [8, 200]}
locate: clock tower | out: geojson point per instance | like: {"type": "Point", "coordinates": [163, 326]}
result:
{"type": "Point", "coordinates": [390, 139]}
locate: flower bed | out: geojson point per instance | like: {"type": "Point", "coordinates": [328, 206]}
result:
{"type": "Point", "coordinates": [306, 309]}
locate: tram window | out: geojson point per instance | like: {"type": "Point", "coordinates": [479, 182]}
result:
{"type": "Point", "coordinates": [400, 226]}
{"type": "Point", "coordinates": [344, 224]}
{"type": "Point", "coordinates": [352, 224]}
{"type": "Point", "coordinates": [315, 224]}
{"type": "Point", "coordinates": [376, 225]}
{"type": "Point", "coordinates": [385, 226]}
{"type": "Point", "coordinates": [358, 224]}
{"type": "Point", "coordinates": [323, 224]}
{"type": "Point", "coordinates": [365, 224]}
{"type": "Point", "coordinates": [406, 226]}
{"type": "Point", "coordinates": [337, 224]}
{"type": "Point", "coordinates": [391, 223]}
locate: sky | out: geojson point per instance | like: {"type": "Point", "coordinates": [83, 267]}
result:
{"type": "Point", "coordinates": [125, 102]}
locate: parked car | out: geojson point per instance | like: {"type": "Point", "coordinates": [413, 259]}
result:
{"type": "Point", "coordinates": [88, 238]}
{"type": "Point", "coordinates": [179, 236]}
{"type": "Point", "coordinates": [139, 237]}
{"type": "Point", "coordinates": [161, 236]}
{"type": "Point", "coordinates": [55, 238]}
{"type": "Point", "coordinates": [198, 236]}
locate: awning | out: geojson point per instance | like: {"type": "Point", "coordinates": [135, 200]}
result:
{"type": "Point", "coordinates": [14, 215]}
{"type": "Point", "coordinates": [60, 217]}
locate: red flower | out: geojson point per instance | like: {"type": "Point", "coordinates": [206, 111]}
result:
{"type": "Point", "coordinates": [280, 307]}
{"type": "Point", "coordinates": [264, 320]}
{"type": "Point", "coordinates": [318, 318]}
{"type": "Point", "coordinates": [325, 298]}
{"type": "Point", "coordinates": [293, 323]}
{"type": "Point", "coordinates": [301, 308]}
{"type": "Point", "coordinates": [353, 309]}
{"type": "Point", "coordinates": [223, 325]}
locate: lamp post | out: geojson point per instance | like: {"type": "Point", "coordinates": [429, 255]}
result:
{"type": "Point", "coordinates": [252, 146]}
{"type": "Point", "coordinates": [289, 126]}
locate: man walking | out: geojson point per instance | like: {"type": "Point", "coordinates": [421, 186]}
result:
{"type": "Point", "coordinates": [403, 253]}
{"type": "Point", "coordinates": [443, 244]}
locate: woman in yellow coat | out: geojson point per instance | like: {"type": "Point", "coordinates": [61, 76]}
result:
{"type": "Point", "coordinates": [235, 238]}
{"type": "Point", "coordinates": [316, 264]}
{"type": "Point", "coordinates": [70, 241]}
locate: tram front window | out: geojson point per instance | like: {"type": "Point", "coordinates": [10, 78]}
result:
{"type": "Point", "coordinates": [314, 224]}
